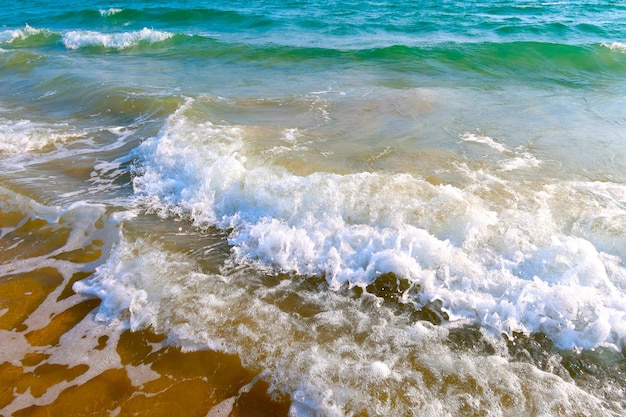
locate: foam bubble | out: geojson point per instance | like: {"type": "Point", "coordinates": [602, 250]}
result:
{"type": "Point", "coordinates": [78, 226]}
{"type": "Point", "coordinates": [380, 370]}
{"type": "Point", "coordinates": [124, 40]}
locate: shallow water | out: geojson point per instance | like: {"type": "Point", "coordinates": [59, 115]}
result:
{"type": "Point", "coordinates": [337, 209]}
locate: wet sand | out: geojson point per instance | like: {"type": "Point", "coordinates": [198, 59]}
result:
{"type": "Point", "coordinates": [140, 374]}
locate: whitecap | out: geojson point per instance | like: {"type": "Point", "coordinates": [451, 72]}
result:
{"type": "Point", "coordinates": [124, 40]}
{"type": "Point", "coordinates": [9, 36]}
{"type": "Point", "coordinates": [328, 363]}
{"type": "Point", "coordinates": [615, 46]}
{"type": "Point", "coordinates": [18, 136]}
{"type": "Point", "coordinates": [110, 12]}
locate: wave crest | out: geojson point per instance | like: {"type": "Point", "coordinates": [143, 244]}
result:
{"type": "Point", "coordinates": [12, 35]}
{"type": "Point", "coordinates": [615, 46]}
{"type": "Point", "coordinates": [109, 12]}
{"type": "Point", "coordinates": [25, 136]}
{"type": "Point", "coordinates": [119, 41]}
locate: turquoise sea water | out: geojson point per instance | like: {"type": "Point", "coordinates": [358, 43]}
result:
{"type": "Point", "coordinates": [382, 207]}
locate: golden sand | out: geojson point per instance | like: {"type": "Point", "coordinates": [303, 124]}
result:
{"type": "Point", "coordinates": [150, 377]}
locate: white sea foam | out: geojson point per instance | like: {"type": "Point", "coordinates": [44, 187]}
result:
{"type": "Point", "coordinates": [509, 262]}
{"type": "Point", "coordinates": [615, 46]}
{"type": "Point", "coordinates": [8, 36]}
{"type": "Point", "coordinates": [328, 362]}
{"type": "Point", "coordinates": [514, 159]}
{"type": "Point", "coordinates": [109, 12]}
{"type": "Point", "coordinates": [124, 40]}
{"type": "Point", "coordinates": [18, 136]}
{"type": "Point", "coordinates": [484, 140]}
{"type": "Point", "coordinates": [524, 160]}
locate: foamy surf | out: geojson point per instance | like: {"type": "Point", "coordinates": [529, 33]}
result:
{"type": "Point", "coordinates": [341, 277]}
{"type": "Point", "coordinates": [17, 136]}
{"type": "Point", "coordinates": [320, 348]}
{"type": "Point", "coordinates": [82, 39]}
{"type": "Point", "coordinates": [77, 39]}
{"type": "Point", "coordinates": [515, 159]}
{"type": "Point", "coordinates": [510, 265]}
{"type": "Point", "coordinates": [9, 36]}
{"type": "Point", "coordinates": [110, 12]}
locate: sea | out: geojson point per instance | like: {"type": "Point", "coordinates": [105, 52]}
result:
{"type": "Point", "coordinates": [313, 208]}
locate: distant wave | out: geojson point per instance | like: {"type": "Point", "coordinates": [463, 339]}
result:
{"type": "Point", "coordinates": [160, 17]}
{"type": "Point", "coordinates": [109, 12]}
{"type": "Point", "coordinates": [124, 40]}
{"type": "Point", "coordinates": [22, 34]}
{"type": "Point", "coordinates": [76, 39]}
{"type": "Point", "coordinates": [568, 63]}
{"type": "Point", "coordinates": [539, 59]}
{"type": "Point", "coordinates": [192, 17]}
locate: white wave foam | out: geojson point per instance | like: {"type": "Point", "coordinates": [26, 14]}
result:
{"type": "Point", "coordinates": [8, 36]}
{"type": "Point", "coordinates": [524, 160]}
{"type": "Point", "coordinates": [18, 136]}
{"type": "Point", "coordinates": [484, 140]}
{"type": "Point", "coordinates": [82, 39]}
{"type": "Point", "coordinates": [110, 12]}
{"type": "Point", "coordinates": [329, 362]}
{"type": "Point", "coordinates": [509, 262]}
{"type": "Point", "coordinates": [515, 159]}
{"type": "Point", "coordinates": [615, 46]}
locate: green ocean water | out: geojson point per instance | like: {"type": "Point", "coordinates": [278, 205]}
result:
{"type": "Point", "coordinates": [376, 207]}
